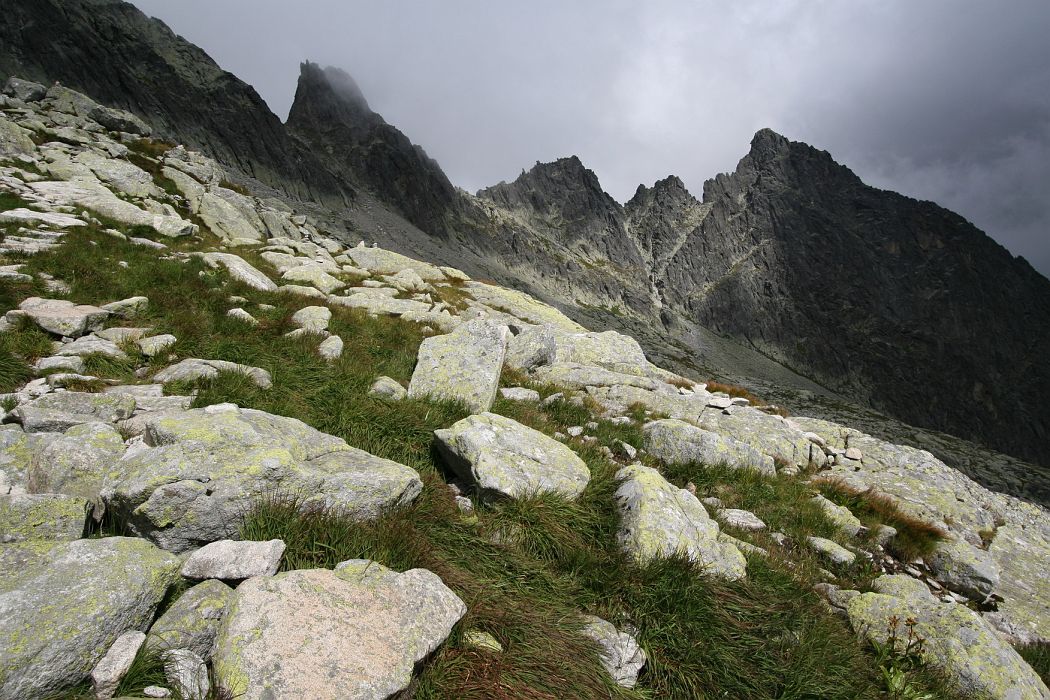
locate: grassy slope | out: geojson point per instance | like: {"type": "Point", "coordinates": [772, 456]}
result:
{"type": "Point", "coordinates": [525, 568]}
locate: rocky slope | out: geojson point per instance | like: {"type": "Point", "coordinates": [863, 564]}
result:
{"type": "Point", "coordinates": [172, 382]}
{"type": "Point", "coordinates": [112, 51]}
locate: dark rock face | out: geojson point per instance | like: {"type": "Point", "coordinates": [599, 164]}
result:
{"type": "Point", "coordinates": [899, 303]}
{"type": "Point", "coordinates": [113, 52]}
{"type": "Point", "coordinates": [331, 114]}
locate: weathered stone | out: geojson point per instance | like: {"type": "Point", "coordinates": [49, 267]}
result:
{"type": "Point", "coordinates": [300, 290]}
{"type": "Point", "coordinates": [25, 90]}
{"type": "Point", "coordinates": [289, 636]}
{"type": "Point", "coordinates": [91, 345]}
{"type": "Point", "coordinates": [464, 365]}
{"type": "Point", "coordinates": [187, 674]}
{"type": "Point", "coordinates": [234, 560]}
{"type": "Point", "coordinates": [112, 667]}
{"type": "Point", "coordinates": [618, 651]}
{"type": "Point", "coordinates": [119, 120]}
{"type": "Point", "coordinates": [127, 308]}
{"type": "Point", "coordinates": [678, 442]}
{"type": "Point", "coordinates": [957, 642]}
{"type": "Point", "coordinates": [314, 275]}
{"type": "Point", "coordinates": [194, 369]}
{"type": "Point", "coordinates": [964, 568]}
{"type": "Point", "coordinates": [72, 364]}
{"type": "Point", "coordinates": [517, 393]}
{"type": "Point", "coordinates": [740, 519]}
{"type": "Point", "coordinates": [768, 434]}
{"type": "Point", "coordinates": [226, 220]}
{"type": "Point", "coordinates": [576, 376]}
{"type": "Point", "coordinates": [386, 262]}
{"type": "Point", "coordinates": [387, 388]}
{"type": "Point", "coordinates": [156, 344]}
{"type": "Point", "coordinates": [313, 318]}
{"type": "Point", "coordinates": [62, 410]}
{"type": "Point", "coordinates": [63, 317]}
{"type": "Point", "coordinates": [483, 641]}
{"type": "Point", "coordinates": [46, 516]}
{"type": "Point", "coordinates": [830, 550]}
{"type": "Point", "coordinates": [1021, 554]}
{"type": "Point", "coordinates": [47, 218]}
{"type": "Point", "coordinates": [331, 348]}
{"type": "Point", "coordinates": [119, 174]}
{"type": "Point", "coordinates": [198, 471]}
{"type": "Point", "coordinates": [192, 622]}
{"type": "Point", "coordinates": [660, 520]}
{"type": "Point", "coordinates": [521, 306]}
{"type": "Point", "coordinates": [242, 315]}
{"type": "Point", "coordinates": [379, 304]}
{"type": "Point", "coordinates": [79, 463]}
{"type": "Point", "coordinates": [123, 335]}
{"type": "Point", "coordinates": [505, 458]}
{"type": "Point", "coordinates": [840, 516]}
{"type": "Point", "coordinates": [64, 604]}
{"type": "Point", "coordinates": [240, 270]}
{"type": "Point", "coordinates": [98, 198]}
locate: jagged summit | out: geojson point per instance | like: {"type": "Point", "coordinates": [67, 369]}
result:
{"type": "Point", "coordinates": [331, 115]}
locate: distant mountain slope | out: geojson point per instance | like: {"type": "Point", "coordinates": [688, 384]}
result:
{"type": "Point", "coordinates": [113, 52]}
{"type": "Point", "coordinates": [900, 303]}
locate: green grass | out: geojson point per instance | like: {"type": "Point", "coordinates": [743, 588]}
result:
{"type": "Point", "coordinates": [1038, 657]}
{"type": "Point", "coordinates": [526, 569]}
{"type": "Point", "coordinates": [10, 201]}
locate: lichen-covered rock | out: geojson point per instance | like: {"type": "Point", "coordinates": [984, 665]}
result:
{"type": "Point", "coordinates": [232, 560]}
{"type": "Point", "coordinates": [840, 516]}
{"type": "Point", "coordinates": [505, 458]}
{"type": "Point", "coordinates": [63, 317]}
{"type": "Point", "coordinates": [62, 410]}
{"type": "Point", "coordinates": [618, 651]}
{"type": "Point", "coordinates": [376, 303]}
{"type": "Point", "coordinates": [463, 365]}
{"type": "Point", "coordinates": [63, 604]}
{"type": "Point", "coordinates": [112, 667]}
{"type": "Point", "coordinates": [831, 550]}
{"type": "Point", "coordinates": [768, 434]}
{"type": "Point", "coordinates": [156, 344]}
{"type": "Point", "coordinates": [578, 376]}
{"type": "Point", "coordinates": [385, 262]}
{"type": "Point", "coordinates": [1022, 553]}
{"type": "Point", "coordinates": [521, 306]}
{"type": "Point", "coordinates": [192, 622]}
{"type": "Point", "coordinates": [79, 463]}
{"type": "Point", "coordinates": [957, 642]}
{"type": "Point", "coordinates": [352, 634]}
{"type": "Point", "coordinates": [91, 345]}
{"type": "Point", "coordinates": [186, 673]}
{"type": "Point", "coordinates": [678, 442]}
{"type": "Point", "coordinates": [47, 516]}
{"type": "Point", "coordinates": [517, 393]}
{"type": "Point", "coordinates": [240, 270]}
{"type": "Point", "coordinates": [194, 369]}
{"type": "Point", "coordinates": [660, 520]}
{"type": "Point", "coordinates": [199, 470]}
{"type": "Point", "coordinates": [740, 519]}
{"type": "Point", "coordinates": [226, 220]}
{"type": "Point", "coordinates": [331, 348]}
{"type": "Point", "coordinates": [964, 568]}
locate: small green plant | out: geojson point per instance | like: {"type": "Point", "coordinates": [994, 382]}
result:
{"type": "Point", "coordinates": [899, 659]}
{"type": "Point", "coordinates": [1037, 656]}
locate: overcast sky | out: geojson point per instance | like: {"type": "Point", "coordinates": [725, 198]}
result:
{"type": "Point", "coordinates": [947, 100]}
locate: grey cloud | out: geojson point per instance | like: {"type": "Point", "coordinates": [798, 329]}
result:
{"type": "Point", "coordinates": [947, 100]}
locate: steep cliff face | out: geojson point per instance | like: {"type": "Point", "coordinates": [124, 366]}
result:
{"type": "Point", "coordinates": [119, 56]}
{"type": "Point", "coordinates": [331, 115]}
{"type": "Point", "coordinates": [884, 298]}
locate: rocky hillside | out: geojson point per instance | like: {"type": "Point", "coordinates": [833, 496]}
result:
{"type": "Point", "coordinates": [224, 429]}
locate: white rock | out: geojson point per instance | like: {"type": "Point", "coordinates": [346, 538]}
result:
{"type": "Point", "coordinates": [112, 667]}
{"type": "Point", "coordinates": [234, 560]}
{"type": "Point", "coordinates": [331, 348]}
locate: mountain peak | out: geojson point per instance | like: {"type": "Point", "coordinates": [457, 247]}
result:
{"type": "Point", "coordinates": [341, 83]}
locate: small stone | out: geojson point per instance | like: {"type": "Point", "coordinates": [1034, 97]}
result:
{"type": "Point", "coordinates": [234, 560]}
{"type": "Point", "coordinates": [155, 345]}
{"type": "Point", "coordinates": [625, 450]}
{"type": "Point", "coordinates": [242, 315]}
{"type": "Point", "coordinates": [155, 691]}
{"type": "Point", "coordinates": [832, 551]}
{"type": "Point", "coordinates": [109, 671]}
{"type": "Point", "coordinates": [127, 308]}
{"type": "Point", "coordinates": [852, 453]}
{"type": "Point", "coordinates": [483, 641]}
{"type": "Point", "coordinates": [711, 501]}
{"type": "Point", "coordinates": [575, 430]}
{"type": "Point", "coordinates": [741, 519]}
{"type": "Point", "coordinates": [464, 504]}
{"type": "Point", "coordinates": [387, 388]}
{"type": "Point", "coordinates": [517, 393]}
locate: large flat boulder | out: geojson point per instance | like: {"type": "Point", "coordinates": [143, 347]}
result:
{"type": "Point", "coordinates": [59, 411]}
{"type": "Point", "coordinates": [678, 442]}
{"type": "Point", "coordinates": [975, 660]}
{"type": "Point", "coordinates": [64, 318]}
{"type": "Point", "coordinates": [356, 633]}
{"type": "Point", "coordinates": [661, 520]}
{"type": "Point", "coordinates": [769, 434]}
{"type": "Point", "coordinates": [463, 365]}
{"type": "Point", "coordinates": [199, 470]}
{"type": "Point", "coordinates": [80, 463]}
{"type": "Point", "coordinates": [63, 604]}
{"type": "Point", "coordinates": [46, 516]}
{"type": "Point", "coordinates": [502, 457]}
{"type": "Point", "coordinates": [195, 369]}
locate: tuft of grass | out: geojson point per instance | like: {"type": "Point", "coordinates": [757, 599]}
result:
{"type": "Point", "coordinates": [1038, 657]}
{"type": "Point", "coordinates": [915, 537]}
{"type": "Point", "coordinates": [239, 189]}
{"type": "Point", "coordinates": [9, 200]}
{"type": "Point", "coordinates": [150, 147]}
{"type": "Point", "coordinates": [14, 371]}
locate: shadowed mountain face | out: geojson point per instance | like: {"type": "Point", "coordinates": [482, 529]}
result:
{"type": "Point", "coordinates": [897, 304]}
{"type": "Point", "coordinates": [111, 51]}
{"type": "Point", "coordinates": [331, 114]}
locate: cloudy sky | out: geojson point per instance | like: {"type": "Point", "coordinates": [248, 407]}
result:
{"type": "Point", "coordinates": [947, 100]}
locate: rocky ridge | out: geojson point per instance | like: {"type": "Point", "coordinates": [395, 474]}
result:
{"type": "Point", "coordinates": [77, 449]}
